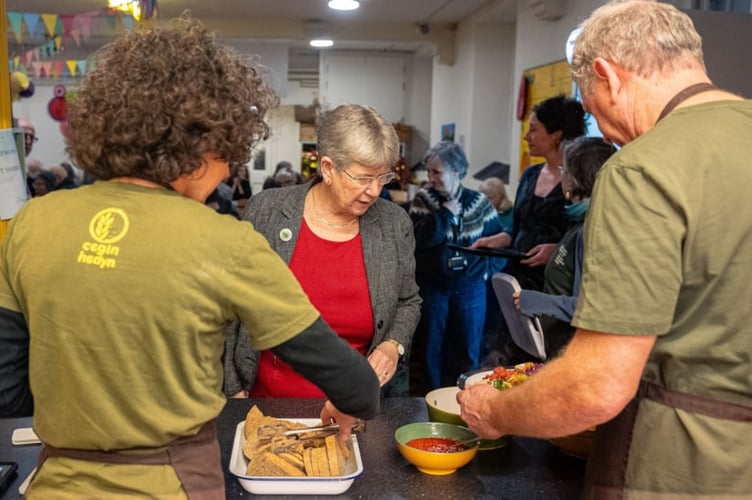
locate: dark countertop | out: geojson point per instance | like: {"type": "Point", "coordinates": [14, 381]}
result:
{"type": "Point", "coordinates": [528, 469]}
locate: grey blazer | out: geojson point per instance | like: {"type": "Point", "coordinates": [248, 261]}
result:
{"type": "Point", "coordinates": [388, 251]}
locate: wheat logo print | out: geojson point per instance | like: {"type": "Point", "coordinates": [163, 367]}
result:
{"type": "Point", "coordinates": [109, 225]}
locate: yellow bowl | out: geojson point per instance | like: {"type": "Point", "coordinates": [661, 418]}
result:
{"type": "Point", "coordinates": [435, 463]}
{"type": "Point", "coordinates": [443, 407]}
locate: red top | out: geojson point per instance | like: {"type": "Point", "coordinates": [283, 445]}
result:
{"type": "Point", "coordinates": [333, 275]}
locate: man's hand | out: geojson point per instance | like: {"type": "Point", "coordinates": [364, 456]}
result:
{"type": "Point", "coordinates": [477, 407]}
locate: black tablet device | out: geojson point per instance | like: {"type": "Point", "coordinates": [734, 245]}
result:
{"type": "Point", "coordinates": [506, 253]}
{"type": "Point", "coordinates": [7, 474]}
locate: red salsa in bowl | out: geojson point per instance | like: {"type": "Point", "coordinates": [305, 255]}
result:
{"type": "Point", "coordinates": [437, 445]}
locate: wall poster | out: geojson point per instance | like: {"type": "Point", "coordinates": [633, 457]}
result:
{"type": "Point", "coordinates": [447, 132]}
{"type": "Point", "coordinates": [548, 80]}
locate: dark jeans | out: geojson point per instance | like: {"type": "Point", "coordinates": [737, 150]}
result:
{"type": "Point", "coordinates": [453, 320]}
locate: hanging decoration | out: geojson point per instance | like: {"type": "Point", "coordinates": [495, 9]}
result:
{"type": "Point", "coordinates": [48, 34]}
{"type": "Point", "coordinates": [58, 106]}
{"type": "Point", "coordinates": [20, 86]}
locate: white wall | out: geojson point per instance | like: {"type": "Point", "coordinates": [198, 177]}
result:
{"type": "Point", "coordinates": [492, 98]}
{"type": "Point", "coordinates": [475, 93]}
{"type": "Point", "coordinates": [451, 101]}
{"type": "Point", "coordinates": [418, 106]}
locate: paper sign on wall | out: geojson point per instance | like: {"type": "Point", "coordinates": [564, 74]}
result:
{"type": "Point", "coordinates": [13, 192]}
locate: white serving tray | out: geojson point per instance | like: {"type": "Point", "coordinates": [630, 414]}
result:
{"type": "Point", "coordinates": [259, 485]}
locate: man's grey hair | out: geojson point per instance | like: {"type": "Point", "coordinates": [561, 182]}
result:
{"type": "Point", "coordinates": [643, 36]}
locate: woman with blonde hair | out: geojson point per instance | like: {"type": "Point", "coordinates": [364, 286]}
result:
{"type": "Point", "coordinates": [496, 191]}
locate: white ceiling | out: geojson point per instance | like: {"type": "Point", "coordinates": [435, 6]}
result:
{"type": "Point", "coordinates": [383, 25]}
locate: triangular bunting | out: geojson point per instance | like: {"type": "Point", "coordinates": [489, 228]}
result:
{"type": "Point", "coordinates": [109, 25]}
{"type": "Point", "coordinates": [59, 28]}
{"type": "Point", "coordinates": [32, 22]}
{"type": "Point", "coordinates": [15, 22]}
{"type": "Point", "coordinates": [71, 67]}
{"type": "Point", "coordinates": [81, 67]}
{"type": "Point", "coordinates": [50, 22]}
{"type": "Point", "coordinates": [58, 67]}
{"type": "Point", "coordinates": [67, 21]}
{"type": "Point", "coordinates": [76, 36]}
{"type": "Point", "coordinates": [82, 24]}
{"type": "Point", "coordinates": [35, 69]}
{"type": "Point", "coordinates": [45, 68]}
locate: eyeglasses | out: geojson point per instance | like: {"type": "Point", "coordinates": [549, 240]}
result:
{"type": "Point", "coordinates": [367, 180]}
{"type": "Point", "coordinates": [30, 138]}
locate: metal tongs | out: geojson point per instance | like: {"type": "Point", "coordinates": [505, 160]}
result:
{"type": "Point", "coordinates": [281, 438]}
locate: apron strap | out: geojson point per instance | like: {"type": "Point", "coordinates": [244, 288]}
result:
{"type": "Point", "coordinates": [191, 457]}
{"type": "Point", "coordinates": [607, 465]}
{"type": "Point", "coordinates": [693, 403]}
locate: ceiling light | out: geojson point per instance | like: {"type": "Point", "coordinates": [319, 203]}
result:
{"type": "Point", "coordinates": [344, 4]}
{"type": "Point", "coordinates": [321, 43]}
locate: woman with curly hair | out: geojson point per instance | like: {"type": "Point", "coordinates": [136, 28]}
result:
{"type": "Point", "coordinates": [122, 355]}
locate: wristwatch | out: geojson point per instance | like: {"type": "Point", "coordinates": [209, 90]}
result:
{"type": "Point", "coordinates": [400, 347]}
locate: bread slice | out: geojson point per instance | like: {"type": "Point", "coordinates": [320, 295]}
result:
{"type": "Point", "coordinates": [269, 464]}
{"type": "Point", "coordinates": [334, 456]}
{"type": "Point", "coordinates": [307, 462]}
{"type": "Point", "coordinates": [252, 421]}
{"type": "Point", "coordinates": [286, 467]}
{"type": "Point", "coordinates": [320, 463]}
{"type": "Point", "coordinates": [294, 458]}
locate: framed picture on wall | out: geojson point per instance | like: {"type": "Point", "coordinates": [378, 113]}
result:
{"type": "Point", "coordinates": [447, 132]}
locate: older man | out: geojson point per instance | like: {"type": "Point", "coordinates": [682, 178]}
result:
{"type": "Point", "coordinates": [662, 352]}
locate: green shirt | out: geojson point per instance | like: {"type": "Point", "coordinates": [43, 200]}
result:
{"type": "Point", "coordinates": [668, 253]}
{"type": "Point", "coordinates": [126, 291]}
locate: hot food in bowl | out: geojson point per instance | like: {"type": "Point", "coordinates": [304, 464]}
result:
{"type": "Point", "coordinates": [443, 407]}
{"type": "Point", "coordinates": [436, 448]}
{"type": "Point", "coordinates": [503, 378]}
{"type": "Point", "coordinates": [442, 402]}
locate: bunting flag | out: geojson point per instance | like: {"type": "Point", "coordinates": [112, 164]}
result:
{"type": "Point", "coordinates": [50, 33]}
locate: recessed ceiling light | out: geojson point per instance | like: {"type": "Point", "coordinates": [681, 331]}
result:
{"type": "Point", "coordinates": [321, 43]}
{"type": "Point", "coordinates": [344, 4]}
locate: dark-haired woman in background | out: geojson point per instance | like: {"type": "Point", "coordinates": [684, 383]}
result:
{"type": "Point", "coordinates": [539, 221]}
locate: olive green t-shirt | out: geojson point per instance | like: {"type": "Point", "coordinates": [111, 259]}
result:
{"type": "Point", "coordinates": [127, 291]}
{"type": "Point", "coordinates": [668, 253]}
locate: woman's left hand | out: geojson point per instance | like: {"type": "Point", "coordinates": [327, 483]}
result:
{"type": "Point", "coordinates": [384, 360]}
{"type": "Point", "coordinates": [539, 255]}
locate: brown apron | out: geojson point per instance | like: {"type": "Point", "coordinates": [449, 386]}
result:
{"type": "Point", "coordinates": [196, 460]}
{"type": "Point", "coordinates": [607, 463]}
